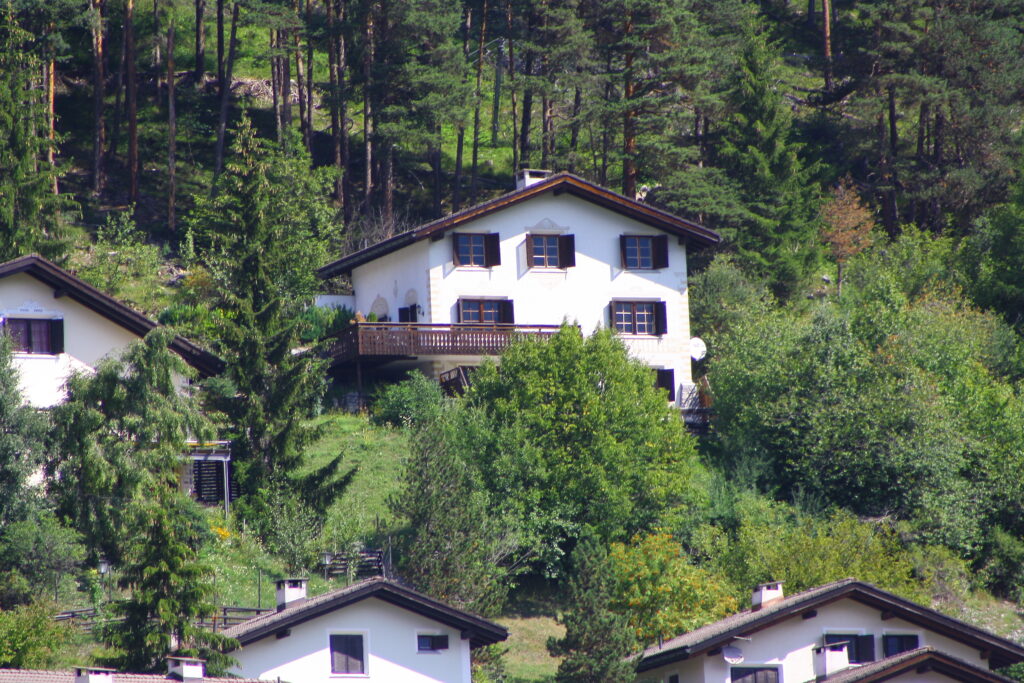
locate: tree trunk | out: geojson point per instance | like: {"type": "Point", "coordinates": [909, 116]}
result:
{"type": "Point", "coordinates": [275, 84]}
{"type": "Point", "coordinates": [826, 15]}
{"type": "Point", "coordinates": [225, 97]}
{"type": "Point", "coordinates": [574, 128]}
{"type": "Point", "coordinates": [220, 45]}
{"type": "Point", "coordinates": [51, 120]}
{"type": "Point", "coordinates": [389, 188]}
{"type": "Point", "coordinates": [368, 58]}
{"type": "Point", "coordinates": [460, 140]}
{"type": "Point", "coordinates": [119, 83]}
{"type": "Point", "coordinates": [512, 87]}
{"type": "Point", "coordinates": [285, 65]}
{"type": "Point", "coordinates": [200, 65]}
{"type": "Point", "coordinates": [172, 126]}
{"type": "Point", "coordinates": [434, 154]}
{"type": "Point", "coordinates": [894, 140]}
{"type": "Point", "coordinates": [335, 74]}
{"type": "Point", "coordinates": [547, 145]}
{"type": "Point", "coordinates": [310, 83]}
{"type": "Point", "coordinates": [98, 82]}
{"type": "Point", "coordinates": [810, 13]}
{"type": "Point", "coordinates": [923, 118]}
{"type": "Point", "coordinates": [157, 57]}
{"type": "Point", "coordinates": [629, 123]}
{"type": "Point", "coordinates": [132, 100]}
{"type": "Point", "coordinates": [474, 172]}
{"type": "Point", "coordinates": [496, 99]}
{"type": "Point", "coordinates": [524, 129]}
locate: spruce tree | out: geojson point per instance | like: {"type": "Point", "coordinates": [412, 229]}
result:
{"type": "Point", "coordinates": [597, 640]}
{"type": "Point", "coordinates": [22, 429]}
{"type": "Point", "coordinates": [777, 231]}
{"type": "Point", "coordinates": [32, 216]}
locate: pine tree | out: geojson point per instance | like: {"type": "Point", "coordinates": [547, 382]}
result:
{"type": "Point", "coordinates": [597, 640]}
{"type": "Point", "coordinates": [777, 234]}
{"type": "Point", "coordinates": [21, 434]}
{"type": "Point", "coordinates": [32, 216]}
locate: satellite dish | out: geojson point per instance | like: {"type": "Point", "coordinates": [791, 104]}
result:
{"type": "Point", "coordinates": [698, 349]}
{"type": "Point", "coordinates": [732, 654]}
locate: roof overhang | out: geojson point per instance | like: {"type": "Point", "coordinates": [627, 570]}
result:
{"type": "Point", "coordinates": [66, 284]}
{"type": "Point", "coordinates": [562, 183]}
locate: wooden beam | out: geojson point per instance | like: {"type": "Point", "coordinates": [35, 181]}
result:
{"type": "Point", "coordinates": [60, 293]}
{"type": "Point", "coordinates": [714, 652]}
{"type": "Point", "coordinates": [985, 654]}
{"type": "Point", "coordinates": [887, 615]}
{"type": "Point", "coordinates": [809, 614]}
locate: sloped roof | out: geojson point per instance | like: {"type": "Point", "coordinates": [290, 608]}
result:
{"type": "Point", "coordinates": [66, 284]}
{"type": "Point", "coordinates": [45, 676]}
{"type": "Point", "coordinates": [558, 184]}
{"type": "Point", "coordinates": [719, 633]}
{"type": "Point", "coordinates": [479, 630]}
{"type": "Point", "coordinates": [918, 661]}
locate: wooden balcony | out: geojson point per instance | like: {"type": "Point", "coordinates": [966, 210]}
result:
{"type": "Point", "coordinates": [383, 341]}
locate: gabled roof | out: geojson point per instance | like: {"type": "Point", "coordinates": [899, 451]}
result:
{"type": "Point", "coordinates": [558, 184]}
{"type": "Point", "coordinates": [479, 631]}
{"type": "Point", "coordinates": [717, 634]}
{"type": "Point", "coordinates": [917, 662]}
{"type": "Point", "coordinates": [66, 284]}
{"type": "Point", "coordinates": [46, 676]}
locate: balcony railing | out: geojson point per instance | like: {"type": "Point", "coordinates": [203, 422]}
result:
{"type": "Point", "coordinates": [396, 340]}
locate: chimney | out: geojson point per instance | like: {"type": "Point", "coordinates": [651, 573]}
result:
{"type": "Point", "coordinates": [765, 594]}
{"type": "Point", "coordinates": [186, 668]}
{"type": "Point", "coordinates": [530, 176]}
{"type": "Point", "coordinates": [832, 658]}
{"type": "Point", "coordinates": [290, 592]}
{"type": "Point", "coordinates": [93, 674]}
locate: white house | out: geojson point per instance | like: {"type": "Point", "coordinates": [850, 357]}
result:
{"type": "Point", "coordinates": [60, 324]}
{"type": "Point", "coordinates": [843, 631]}
{"type": "Point", "coordinates": [186, 669]}
{"type": "Point", "coordinates": [373, 630]}
{"type": "Point", "coordinates": [557, 249]}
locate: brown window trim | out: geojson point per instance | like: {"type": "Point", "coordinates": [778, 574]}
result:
{"type": "Point", "coordinates": [658, 247]}
{"type": "Point", "coordinates": [54, 344]}
{"type": "Point", "coordinates": [659, 312]}
{"type": "Point", "coordinates": [488, 242]}
{"type": "Point", "coordinates": [504, 309]}
{"type": "Point", "coordinates": [565, 251]}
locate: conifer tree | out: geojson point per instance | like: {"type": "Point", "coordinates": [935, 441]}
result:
{"type": "Point", "coordinates": [777, 231]}
{"type": "Point", "coordinates": [32, 217]}
{"type": "Point", "coordinates": [21, 434]}
{"type": "Point", "coordinates": [597, 640]}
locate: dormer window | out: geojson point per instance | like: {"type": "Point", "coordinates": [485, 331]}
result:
{"type": "Point", "coordinates": [476, 249]}
{"type": "Point", "coordinates": [550, 251]}
{"type": "Point", "coordinates": [31, 335]}
{"type": "Point", "coordinates": [644, 252]}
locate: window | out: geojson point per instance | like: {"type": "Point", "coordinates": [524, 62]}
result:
{"type": "Point", "coordinates": [754, 674]}
{"type": "Point", "coordinates": [550, 251]}
{"type": "Point", "coordinates": [347, 654]}
{"type": "Point", "coordinates": [430, 643]}
{"type": "Point", "coordinates": [859, 648]}
{"type": "Point", "coordinates": [895, 644]}
{"type": "Point", "coordinates": [485, 312]}
{"type": "Point", "coordinates": [644, 252]}
{"type": "Point", "coordinates": [476, 249]}
{"type": "Point", "coordinates": [29, 335]}
{"type": "Point", "coordinates": [408, 314]}
{"type": "Point", "coordinates": [639, 317]}
{"type": "Point", "coordinates": [674, 678]}
{"type": "Point", "coordinates": [666, 379]}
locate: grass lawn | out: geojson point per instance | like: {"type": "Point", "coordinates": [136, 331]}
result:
{"type": "Point", "coordinates": [527, 659]}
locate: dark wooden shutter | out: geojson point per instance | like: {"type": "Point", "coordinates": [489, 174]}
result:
{"type": "Point", "coordinates": [566, 251]}
{"type": "Point", "coordinates": [750, 674]}
{"type": "Point", "coordinates": [347, 654]}
{"type": "Point", "coordinates": [893, 645]}
{"type": "Point", "coordinates": [659, 251]}
{"type": "Point", "coordinates": [622, 250]}
{"type": "Point", "coordinates": [403, 315]}
{"type": "Point", "coordinates": [492, 250]}
{"type": "Point", "coordinates": [506, 311]}
{"type": "Point", "coordinates": [660, 318]}
{"type": "Point", "coordinates": [414, 316]}
{"type": "Point", "coordinates": [865, 649]}
{"type": "Point", "coordinates": [667, 380]}
{"type": "Point", "coordinates": [529, 251]}
{"type": "Point", "coordinates": [57, 336]}
{"type": "Point", "coordinates": [455, 250]}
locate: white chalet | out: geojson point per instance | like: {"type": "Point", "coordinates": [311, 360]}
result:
{"type": "Point", "coordinates": [59, 325]}
{"type": "Point", "coordinates": [841, 632]}
{"type": "Point", "coordinates": [373, 630]}
{"type": "Point", "coordinates": [557, 249]}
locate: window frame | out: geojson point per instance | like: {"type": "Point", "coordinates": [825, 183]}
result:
{"type": "Point", "coordinates": [564, 248]}
{"type": "Point", "coordinates": [434, 648]}
{"type": "Point", "coordinates": [490, 250]}
{"type": "Point", "coordinates": [886, 640]}
{"type": "Point", "coordinates": [855, 645]}
{"type": "Point", "coordinates": [658, 321]}
{"type": "Point", "coordinates": [658, 246]}
{"type": "Point", "coordinates": [54, 334]}
{"type": "Point", "coordinates": [364, 639]}
{"type": "Point", "coordinates": [755, 669]}
{"type": "Point", "coordinates": [504, 310]}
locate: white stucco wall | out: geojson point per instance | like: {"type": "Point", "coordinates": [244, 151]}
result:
{"type": "Point", "coordinates": [389, 642]}
{"type": "Point", "coordinates": [88, 337]}
{"type": "Point", "coordinates": [424, 272]}
{"type": "Point", "coordinates": [790, 645]}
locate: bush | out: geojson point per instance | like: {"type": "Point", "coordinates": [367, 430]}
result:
{"type": "Point", "coordinates": [415, 402]}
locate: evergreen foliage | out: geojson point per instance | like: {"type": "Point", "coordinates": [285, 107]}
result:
{"type": "Point", "coordinates": [22, 432]}
{"type": "Point", "coordinates": [597, 637]}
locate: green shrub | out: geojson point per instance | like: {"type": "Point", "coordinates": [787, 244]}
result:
{"type": "Point", "coordinates": [415, 402]}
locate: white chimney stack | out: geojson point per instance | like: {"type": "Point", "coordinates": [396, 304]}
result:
{"type": "Point", "coordinates": [832, 658]}
{"type": "Point", "coordinates": [765, 594]}
{"type": "Point", "coordinates": [290, 592]}
{"type": "Point", "coordinates": [186, 668]}
{"type": "Point", "coordinates": [93, 674]}
{"type": "Point", "coordinates": [530, 176]}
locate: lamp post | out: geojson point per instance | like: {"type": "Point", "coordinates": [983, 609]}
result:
{"type": "Point", "coordinates": [326, 557]}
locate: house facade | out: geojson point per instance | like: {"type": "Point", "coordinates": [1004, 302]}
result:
{"type": "Point", "coordinates": [829, 633]}
{"type": "Point", "coordinates": [373, 630]}
{"type": "Point", "coordinates": [558, 250]}
{"type": "Point", "coordinates": [59, 325]}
